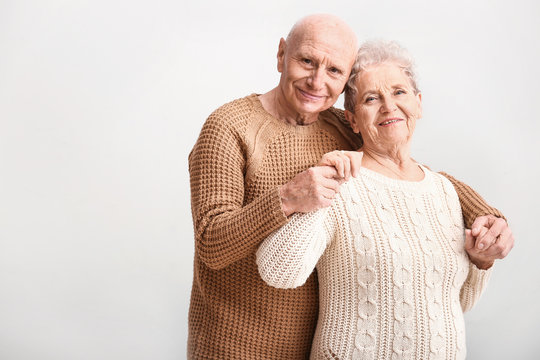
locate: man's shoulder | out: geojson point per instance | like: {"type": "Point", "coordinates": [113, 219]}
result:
{"type": "Point", "coordinates": [235, 110]}
{"type": "Point", "coordinates": [336, 113]}
{"type": "Point", "coordinates": [335, 118]}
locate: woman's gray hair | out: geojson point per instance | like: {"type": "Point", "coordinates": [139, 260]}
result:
{"type": "Point", "coordinates": [376, 52]}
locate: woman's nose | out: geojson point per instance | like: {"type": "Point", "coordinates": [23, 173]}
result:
{"type": "Point", "coordinates": [388, 104]}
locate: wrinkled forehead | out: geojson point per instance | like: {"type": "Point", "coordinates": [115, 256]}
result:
{"type": "Point", "coordinates": [381, 77]}
{"type": "Point", "coordinates": [332, 43]}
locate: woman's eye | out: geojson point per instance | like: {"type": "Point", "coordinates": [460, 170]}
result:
{"type": "Point", "coordinates": [334, 70]}
{"type": "Point", "coordinates": [400, 92]}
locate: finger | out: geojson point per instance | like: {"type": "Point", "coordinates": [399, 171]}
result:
{"type": "Point", "coordinates": [481, 221]}
{"type": "Point", "coordinates": [502, 246]}
{"type": "Point", "coordinates": [327, 159]}
{"type": "Point", "coordinates": [469, 240]}
{"type": "Point", "coordinates": [324, 171]}
{"type": "Point", "coordinates": [339, 165]}
{"type": "Point", "coordinates": [510, 246]}
{"type": "Point", "coordinates": [328, 184]}
{"type": "Point", "coordinates": [346, 166]}
{"type": "Point", "coordinates": [333, 159]}
{"type": "Point", "coordinates": [327, 193]}
{"type": "Point", "coordinates": [479, 244]}
{"type": "Point", "coordinates": [356, 162]}
{"type": "Point", "coordinates": [495, 229]}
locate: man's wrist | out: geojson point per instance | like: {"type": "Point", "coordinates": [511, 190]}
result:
{"type": "Point", "coordinates": [284, 201]}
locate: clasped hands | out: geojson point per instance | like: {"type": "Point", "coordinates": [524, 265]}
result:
{"type": "Point", "coordinates": [489, 239]}
{"type": "Point", "coordinates": [316, 187]}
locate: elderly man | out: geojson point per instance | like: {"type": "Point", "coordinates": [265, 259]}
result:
{"type": "Point", "coordinates": [252, 166]}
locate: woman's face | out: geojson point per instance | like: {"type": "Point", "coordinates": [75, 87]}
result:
{"type": "Point", "coordinates": [386, 106]}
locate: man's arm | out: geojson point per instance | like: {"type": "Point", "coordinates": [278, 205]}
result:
{"type": "Point", "coordinates": [226, 229]}
{"type": "Point", "coordinates": [472, 204]}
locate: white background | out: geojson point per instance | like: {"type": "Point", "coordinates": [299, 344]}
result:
{"type": "Point", "coordinates": [101, 102]}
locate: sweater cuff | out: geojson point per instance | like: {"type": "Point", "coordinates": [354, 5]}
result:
{"type": "Point", "coordinates": [277, 216]}
{"type": "Point", "coordinates": [479, 276]}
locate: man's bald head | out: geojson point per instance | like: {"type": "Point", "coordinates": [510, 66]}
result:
{"type": "Point", "coordinates": [322, 23]}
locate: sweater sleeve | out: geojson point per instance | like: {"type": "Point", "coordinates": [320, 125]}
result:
{"type": "Point", "coordinates": [473, 287]}
{"type": "Point", "coordinates": [288, 256]}
{"type": "Point", "coordinates": [472, 204]}
{"type": "Point", "coordinates": [226, 228]}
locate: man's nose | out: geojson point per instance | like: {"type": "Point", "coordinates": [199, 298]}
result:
{"type": "Point", "coordinates": [316, 79]}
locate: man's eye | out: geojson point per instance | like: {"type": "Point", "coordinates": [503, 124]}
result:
{"type": "Point", "coordinates": [370, 99]}
{"type": "Point", "coordinates": [307, 61]}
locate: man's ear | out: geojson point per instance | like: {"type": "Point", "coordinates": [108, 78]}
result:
{"type": "Point", "coordinates": [350, 118]}
{"type": "Point", "coordinates": [281, 54]}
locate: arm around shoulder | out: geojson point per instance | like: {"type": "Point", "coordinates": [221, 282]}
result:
{"type": "Point", "coordinates": [472, 204]}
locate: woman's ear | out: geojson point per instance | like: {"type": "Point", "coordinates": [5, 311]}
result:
{"type": "Point", "coordinates": [350, 118]}
{"type": "Point", "coordinates": [419, 98]}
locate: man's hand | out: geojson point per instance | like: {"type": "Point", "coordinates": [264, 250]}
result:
{"type": "Point", "coordinates": [310, 190]}
{"type": "Point", "coordinates": [490, 238]}
{"type": "Point", "coordinates": [347, 163]}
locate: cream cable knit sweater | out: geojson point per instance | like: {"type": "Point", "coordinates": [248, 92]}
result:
{"type": "Point", "coordinates": [394, 278]}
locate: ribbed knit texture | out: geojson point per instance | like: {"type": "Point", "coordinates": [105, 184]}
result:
{"type": "Point", "coordinates": [241, 158]}
{"type": "Point", "coordinates": [392, 269]}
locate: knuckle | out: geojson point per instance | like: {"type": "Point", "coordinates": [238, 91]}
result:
{"type": "Point", "coordinates": [493, 232]}
{"type": "Point", "coordinates": [310, 171]}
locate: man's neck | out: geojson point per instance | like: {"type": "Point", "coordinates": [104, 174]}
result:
{"type": "Point", "coordinates": [274, 103]}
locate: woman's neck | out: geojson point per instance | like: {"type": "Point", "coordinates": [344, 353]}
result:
{"type": "Point", "coordinates": [395, 163]}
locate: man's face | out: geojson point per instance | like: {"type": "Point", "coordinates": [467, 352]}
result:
{"type": "Point", "coordinates": [314, 68]}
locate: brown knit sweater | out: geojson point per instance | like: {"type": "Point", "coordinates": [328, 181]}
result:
{"type": "Point", "coordinates": [242, 156]}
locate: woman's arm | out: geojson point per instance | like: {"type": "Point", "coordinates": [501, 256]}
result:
{"type": "Point", "coordinates": [473, 287]}
{"type": "Point", "coordinates": [288, 256]}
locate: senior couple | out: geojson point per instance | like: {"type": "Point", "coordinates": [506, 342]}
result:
{"type": "Point", "coordinates": [272, 200]}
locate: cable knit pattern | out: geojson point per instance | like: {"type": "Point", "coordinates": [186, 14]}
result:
{"type": "Point", "coordinates": [392, 269]}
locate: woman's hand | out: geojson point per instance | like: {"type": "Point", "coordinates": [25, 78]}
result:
{"type": "Point", "coordinates": [490, 238]}
{"type": "Point", "coordinates": [347, 163]}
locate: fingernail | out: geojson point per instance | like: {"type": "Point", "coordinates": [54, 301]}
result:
{"type": "Point", "coordinates": [481, 246]}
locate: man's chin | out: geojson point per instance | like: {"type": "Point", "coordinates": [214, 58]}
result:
{"type": "Point", "coordinates": [311, 107]}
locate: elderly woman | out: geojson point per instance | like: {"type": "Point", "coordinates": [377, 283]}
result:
{"type": "Point", "coordinates": [394, 275]}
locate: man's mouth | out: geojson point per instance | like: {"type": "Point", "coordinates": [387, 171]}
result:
{"type": "Point", "coordinates": [310, 96]}
{"type": "Point", "coordinates": [390, 121]}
